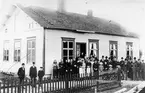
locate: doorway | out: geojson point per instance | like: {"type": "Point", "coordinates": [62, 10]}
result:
{"type": "Point", "coordinates": [80, 49]}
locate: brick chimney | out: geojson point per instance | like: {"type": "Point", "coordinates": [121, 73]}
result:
{"type": "Point", "coordinates": [61, 6]}
{"type": "Point", "coordinates": [90, 13]}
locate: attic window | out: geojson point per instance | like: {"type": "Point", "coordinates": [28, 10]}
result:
{"type": "Point", "coordinates": [31, 25]}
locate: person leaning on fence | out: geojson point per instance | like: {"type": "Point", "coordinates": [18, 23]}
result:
{"type": "Point", "coordinates": [33, 74]}
{"type": "Point", "coordinates": [21, 73]}
{"type": "Point", "coordinates": [40, 75]}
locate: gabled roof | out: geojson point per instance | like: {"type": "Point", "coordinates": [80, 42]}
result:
{"type": "Point", "coordinates": [75, 22]}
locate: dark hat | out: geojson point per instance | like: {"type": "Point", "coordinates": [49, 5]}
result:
{"type": "Point", "coordinates": [23, 63]}
{"type": "Point", "coordinates": [33, 62]}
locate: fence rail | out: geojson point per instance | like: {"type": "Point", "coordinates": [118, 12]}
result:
{"type": "Point", "coordinates": [62, 84]}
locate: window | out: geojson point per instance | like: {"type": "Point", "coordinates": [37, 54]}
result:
{"type": "Point", "coordinates": [31, 52]}
{"type": "Point", "coordinates": [17, 51]}
{"type": "Point", "coordinates": [30, 25]}
{"type": "Point", "coordinates": [129, 50]}
{"type": "Point", "coordinates": [6, 51]}
{"type": "Point", "coordinates": [94, 48]}
{"type": "Point", "coordinates": [67, 48]}
{"type": "Point", "coordinates": [113, 49]}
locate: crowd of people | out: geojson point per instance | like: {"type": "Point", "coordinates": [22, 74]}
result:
{"type": "Point", "coordinates": [133, 69]}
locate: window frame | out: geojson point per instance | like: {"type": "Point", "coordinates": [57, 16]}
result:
{"type": "Point", "coordinates": [67, 39]}
{"type": "Point", "coordinates": [93, 41]}
{"type": "Point", "coordinates": [31, 39]}
{"type": "Point", "coordinates": [131, 44]}
{"type": "Point", "coordinates": [6, 51]}
{"type": "Point", "coordinates": [116, 50]}
{"type": "Point", "coordinates": [17, 48]}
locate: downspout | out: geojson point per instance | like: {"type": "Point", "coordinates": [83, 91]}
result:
{"type": "Point", "coordinates": [43, 50]}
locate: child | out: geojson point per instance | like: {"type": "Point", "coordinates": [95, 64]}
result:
{"type": "Point", "coordinates": [40, 75]}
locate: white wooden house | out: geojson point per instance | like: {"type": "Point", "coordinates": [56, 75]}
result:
{"type": "Point", "coordinates": [35, 34]}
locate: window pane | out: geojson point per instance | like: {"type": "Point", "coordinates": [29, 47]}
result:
{"type": "Point", "coordinates": [29, 55]}
{"type": "Point", "coordinates": [7, 59]}
{"type": "Point", "coordinates": [29, 44]}
{"type": "Point", "coordinates": [18, 52]}
{"type": "Point", "coordinates": [7, 52]}
{"type": "Point", "coordinates": [18, 58]}
{"type": "Point", "coordinates": [4, 52]}
{"type": "Point", "coordinates": [33, 44]}
{"type": "Point", "coordinates": [65, 52]}
{"type": "Point", "coordinates": [95, 52]}
{"type": "Point", "coordinates": [70, 57]}
{"type": "Point", "coordinates": [95, 45]}
{"type": "Point", "coordinates": [64, 58]}
{"type": "Point", "coordinates": [33, 55]}
{"type": "Point", "coordinates": [70, 52]}
{"type": "Point", "coordinates": [91, 53]}
{"type": "Point", "coordinates": [92, 46]}
{"type": "Point", "coordinates": [65, 44]}
{"type": "Point", "coordinates": [70, 44]}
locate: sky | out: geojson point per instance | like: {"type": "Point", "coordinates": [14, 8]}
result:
{"type": "Point", "coordinates": [129, 13]}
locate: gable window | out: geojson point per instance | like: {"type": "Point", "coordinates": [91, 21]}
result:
{"type": "Point", "coordinates": [94, 48]}
{"type": "Point", "coordinates": [6, 51]}
{"type": "Point", "coordinates": [17, 51]}
{"type": "Point", "coordinates": [31, 25]}
{"type": "Point", "coordinates": [129, 50]}
{"type": "Point", "coordinates": [113, 49]}
{"type": "Point", "coordinates": [67, 48]}
{"type": "Point", "coordinates": [31, 51]}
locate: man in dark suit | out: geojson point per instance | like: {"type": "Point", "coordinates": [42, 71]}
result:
{"type": "Point", "coordinates": [96, 68]}
{"type": "Point", "coordinates": [105, 64]}
{"type": "Point", "coordinates": [33, 74]}
{"type": "Point", "coordinates": [40, 76]}
{"type": "Point", "coordinates": [21, 73]}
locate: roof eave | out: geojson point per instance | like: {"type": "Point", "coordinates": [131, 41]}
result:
{"type": "Point", "coordinates": [93, 32]}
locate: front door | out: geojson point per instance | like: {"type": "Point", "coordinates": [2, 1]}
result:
{"type": "Point", "coordinates": [80, 49]}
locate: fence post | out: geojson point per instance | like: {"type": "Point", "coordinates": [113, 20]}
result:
{"type": "Point", "coordinates": [97, 76]}
{"type": "Point", "coordinates": [0, 87]}
{"type": "Point", "coordinates": [67, 83]}
{"type": "Point", "coordinates": [19, 87]}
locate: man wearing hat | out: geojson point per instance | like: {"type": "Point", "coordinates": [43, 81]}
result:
{"type": "Point", "coordinates": [122, 63]}
{"type": "Point", "coordinates": [135, 69]}
{"type": "Point", "coordinates": [96, 68]}
{"type": "Point", "coordinates": [21, 73]}
{"type": "Point", "coordinates": [33, 74]}
{"type": "Point", "coordinates": [40, 75]}
{"type": "Point", "coordinates": [105, 64]}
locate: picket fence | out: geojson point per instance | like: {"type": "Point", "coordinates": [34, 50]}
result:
{"type": "Point", "coordinates": [63, 84]}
